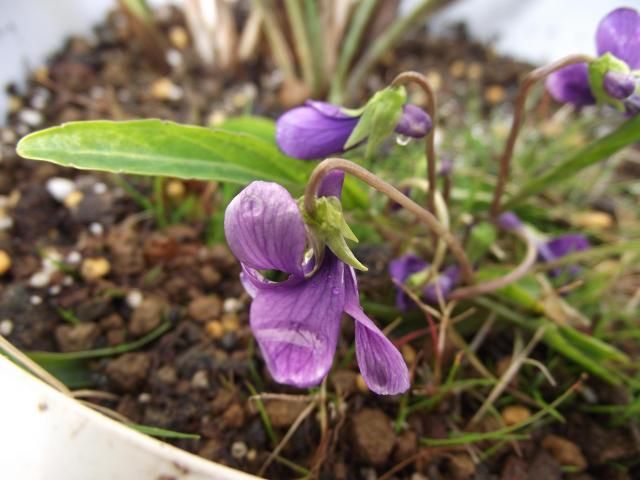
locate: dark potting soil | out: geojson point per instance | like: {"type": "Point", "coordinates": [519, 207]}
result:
{"type": "Point", "coordinates": [121, 277]}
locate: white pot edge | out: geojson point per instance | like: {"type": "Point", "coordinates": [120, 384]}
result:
{"type": "Point", "coordinates": [45, 434]}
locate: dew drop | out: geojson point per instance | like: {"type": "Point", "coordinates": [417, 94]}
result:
{"type": "Point", "coordinates": [402, 140]}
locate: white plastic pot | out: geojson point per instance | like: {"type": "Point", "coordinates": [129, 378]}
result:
{"type": "Point", "coordinates": [46, 435]}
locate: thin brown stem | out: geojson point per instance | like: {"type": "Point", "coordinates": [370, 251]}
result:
{"type": "Point", "coordinates": [529, 81]}
{"type": "Point", "coordinates": [497, 283]}
{"type": "Point", "coordinates": [430, 150]}
{"type": "Point", "coordinates": [394, 194]}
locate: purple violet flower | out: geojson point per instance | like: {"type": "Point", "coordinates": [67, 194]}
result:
{"type": "Point", "coordinates": [618, 34]}
{"type": "Point", "coordinates": [319, 129]}
{"type": "Point", "coordinates": [296, 322]}
{"type": "Point", "coordinates": [401, 268]}
{"type": "Point", "coordinates": [552, 249]}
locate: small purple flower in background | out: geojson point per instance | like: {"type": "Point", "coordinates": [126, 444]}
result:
{"type": "Point", "coordinates": [296, 322]}
{"type": "Point", "coordinates": [320, 129]}
{"type": "Point", "coordinates": [552, 249]}
{"type": "Point", "coordinates": [617, 34]}
{"type": "Point", "coordinates": [401, 268]}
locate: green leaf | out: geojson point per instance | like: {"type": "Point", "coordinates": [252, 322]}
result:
{"type": "Point", "coordinates": [43, 357]}
{"type": "Point", "coordinates": [262, 127]}
{"type": "Point", "coordinates": [482, 237]}
{"type": "Point", "coordinates": [155, 147]}
{"type": "Point", "coordinates": [162, 432]}
{"type": "Point", "coordinates": [601, 149]}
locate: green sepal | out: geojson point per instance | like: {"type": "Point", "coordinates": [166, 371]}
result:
{"type": "Point", "coordinates": [330, 228]}
{"type": "Point", "coordinates": [379, 118]}
{"type": "Point", "coordinates": [598, 68]}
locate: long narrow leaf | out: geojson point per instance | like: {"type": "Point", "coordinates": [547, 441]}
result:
{"type": "Point", "coordinates": [601, 149]}
{"type": "Point", "coordinates": [155, 147]}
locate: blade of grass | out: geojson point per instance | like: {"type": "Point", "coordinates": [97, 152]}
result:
{"type": "Point", "coordinates": [43, 357]}
{"type": "Point", "coordinates": [301, 41]}
{"type": "Point", "coordinates": [162, 432]}
{"type": "Point", "coordinates": [350, 46]}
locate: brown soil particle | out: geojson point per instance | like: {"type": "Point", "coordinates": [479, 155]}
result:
{"type": "Point", "coordinates": [373, 437]}
{"type": "Point", "coordinates": [283, 413]}
{"type": "Point", "coordinates": [205, 308]}
{"type": "Point", "coordinates": [565, 452]}
{"type": "Point", "coordinates": [129, 371]}
{"type": "Point", "coordinates": [74, 338]}
{"type": "Point", "coordinates": [147, 316]}
{"type": "Point", "coordinates": [344, 382]}
{"type": "Point", "coordinates": [460, 466]}
{"type": "Point", "coordinates": [544, 466]}
{"type": "Point", "coordinates": [515, 468]}
{"type": "Point", "coordinates": [233, 417]}
{"type": "Point", "coordinates": [406, 446]}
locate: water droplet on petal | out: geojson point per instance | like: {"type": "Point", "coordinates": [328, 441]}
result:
{"type": "Point", "coordinates": [402, 140]}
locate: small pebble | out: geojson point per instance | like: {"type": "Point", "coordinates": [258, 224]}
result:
{"type": "Point", "coordinates": [165, 89]}
{"type": "Point", "coordinates": [74, 258]}
{"type": "Point", "coordinates": [175, 189]}
{"type": "Point", "coordinates": [252, 455]}
{"type": "Point", "coordinates": [100, 188]}
{"type": "Point", "coordinates": [144, 397]}
{"type": "Point", "coordinates": [93, 268]}
{"type": "Point", "coordinates": [60, 188]}
{"type": "Point", "coordinates": [67, 280]}
{"type": "Point", "coordinates": [35, 300]}
{"type": "Point", "coordinates": [231, 305]}
{"type": "Point", "coordinates": [73, 199]}
{"type": "Point", "coordinates": [200, 380]}
{"type": "Point", "coordinates": [514, 414]}
{"type": "Point", "coordinates": [239, 450]}
{"type": "Point", "coordinates": [565, 452]}
{"type": "Point", "coordinates": [6, 327]}
{"type": "Point", "coordinates": [230, 322]}
{"type": "Point", "coordinates": [55, 290]}
{"type": "Point", "coordinates": [215, 329]}
{"type": "Point", "coordinates": [31, 117]}
{"type": "Point", "coordinates": [495, 94]}
{"type": "Point", "coordinates": [40, 279]}
{"type": "Point", "coordinates": [40, 98]}
{"type": "Point", "coordinates": [174, 57]}
{"type": "Point", "coordinates": [179, 37]}
{"type": "Point", "coordinates": [6, 223]}
{"type": "Point", "coordinates": [134, 298]}
{"type": "Point", "coordinates": [96, 229]}
{"type": "Point", "coordinates": [5, 262]}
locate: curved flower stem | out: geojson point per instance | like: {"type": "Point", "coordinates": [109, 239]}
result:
{"type": "Point", "coordinates": [394, 194]}
{"type": "Point", "coordinates": [529, 81]}
{"type": "Point", "coordinates": [430, 150]}
{"type": "Point", "coordinates": [498, 283]}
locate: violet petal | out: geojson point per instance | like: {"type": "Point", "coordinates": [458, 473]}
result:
{"type": "Point", "coordinates": [297, 326]}
{"type": "Point", "coordinates": [509, 221]}
{"type": "Point", "coordinates": [560, 246]}
{"type": "Point", "coordinates": [571, 85]}
{"type": "Point", "coordinates": [331, 185]}
{"type": "Point", "coordinates": [414, 123]}
{"type": "Point", "coordinates": [381, 364]}
{"type": "Point", "coordinates": [619, 33]}
{"type": "Point", "coordinates": [445, 282]}
{"type": "Point", "coordinates": [314, 130]}
{"type": "Point", "coordinates": [402, 268]}
{"type": "Point", "coordinates": [264, 228]}
{"type": "Point", "coordinates": [619, 85]}
{"type": "Point", "coordinates": [632, 105]}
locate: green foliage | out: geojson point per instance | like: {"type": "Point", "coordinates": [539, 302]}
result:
{"type": "Point", "coordinates": [597, 151]}
{"type": "Point", "coordinates": [379, 119]}
{"type": "Point", "coordinates": [155, 147]}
